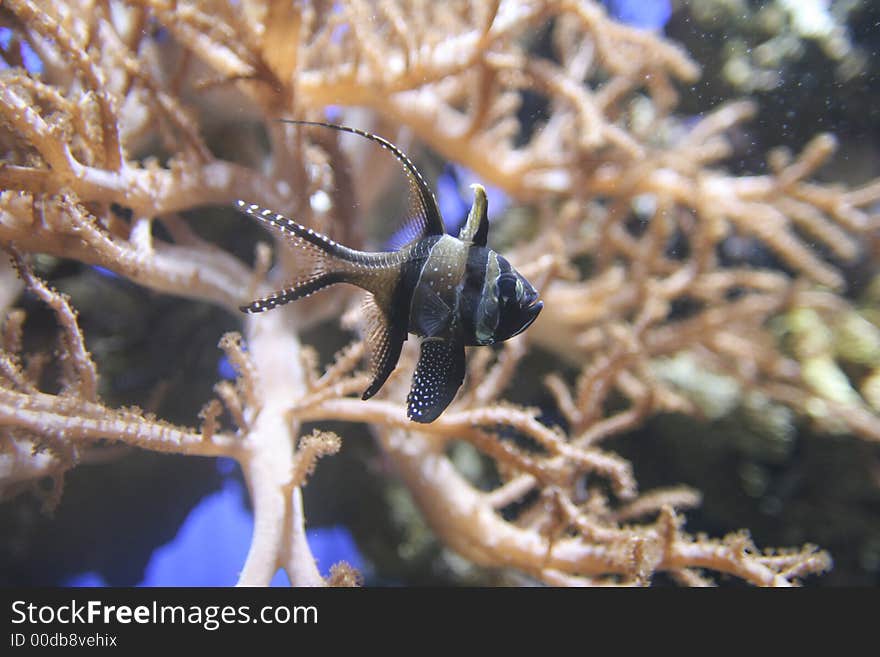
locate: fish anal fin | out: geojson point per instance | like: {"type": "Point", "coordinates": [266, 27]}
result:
{"type": "Point", "coordinates": [438, 376]}
{"type": "Point", "coordinates": [384, 335]}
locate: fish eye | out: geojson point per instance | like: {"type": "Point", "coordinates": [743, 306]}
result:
{"type": "Point", "coordinates": [507, 287]}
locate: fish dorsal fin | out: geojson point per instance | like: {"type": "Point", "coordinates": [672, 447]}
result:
{"type": "Point", "coordinates": [476, 230]}
{"type": "Point", "coordinates": [424, 213]}
{"type": "Point", "coordinates": [384, 335]}
{"type": "Point", "coordinates": [437, 378]}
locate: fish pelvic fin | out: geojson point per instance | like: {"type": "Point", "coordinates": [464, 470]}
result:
{"type": "Point", "coordinates": [438, 376]}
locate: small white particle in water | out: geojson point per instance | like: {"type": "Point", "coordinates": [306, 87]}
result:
{"type": "Point", "coordinates": [320, 201]}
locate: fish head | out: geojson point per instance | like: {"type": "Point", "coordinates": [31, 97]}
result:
{"type": "Point", "coordinates": [509, 307]}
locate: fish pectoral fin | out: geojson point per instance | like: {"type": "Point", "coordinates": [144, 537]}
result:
{"type": "Point", "coordinates": [385, 335]}
{"type": "Point", "coordinates": [436, 315]}
{"type": "Point", "coordinates": [437, 378]}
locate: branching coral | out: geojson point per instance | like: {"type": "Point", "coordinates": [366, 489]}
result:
{"type": "Point", "coordinates": [633, 211]}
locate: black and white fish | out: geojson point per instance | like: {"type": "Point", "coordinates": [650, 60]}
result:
{"type": "Point", "coordinates": [450, 291]}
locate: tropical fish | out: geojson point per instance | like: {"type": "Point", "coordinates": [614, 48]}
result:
{"type": "Point", "coordinates": [452, 292]}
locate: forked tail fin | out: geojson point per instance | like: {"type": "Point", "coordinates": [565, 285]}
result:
{"type": "Point", "coordinates": [325, 264]}
{"type": "Point", "coordinates": [328, 263]}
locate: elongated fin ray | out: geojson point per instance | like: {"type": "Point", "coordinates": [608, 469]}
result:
{"type": "Point", "coordinates": [476, 229]}
{"type": "Point", "coordinates": [385, 336]}
{"type": "Point", "coordinates": [289, 228]}
{"type": "Point", "coordinates": [426, 219]}
{"type": "Point", "coordinates": [437, 378]}
{"type": "Point", "coordinates": [298, 290]}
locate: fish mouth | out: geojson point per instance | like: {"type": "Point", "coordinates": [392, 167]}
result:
{"type": "Point", "coordinates": [532, 312]}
